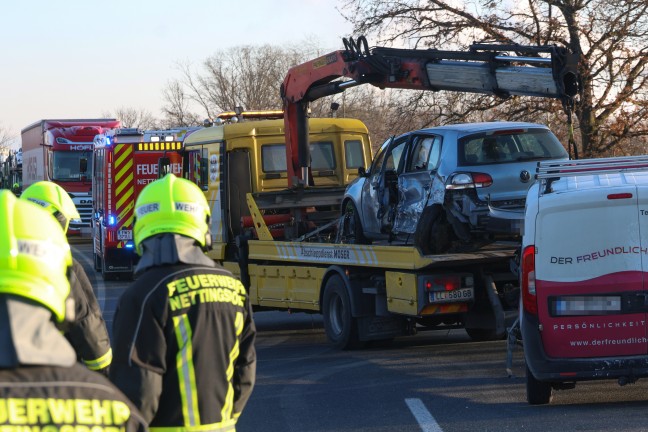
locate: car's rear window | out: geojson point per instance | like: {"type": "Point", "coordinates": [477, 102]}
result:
{"type": "Point", "coordinates": [509, 146]}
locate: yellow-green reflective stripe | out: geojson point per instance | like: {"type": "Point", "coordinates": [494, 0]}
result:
{"type": "Point", "coordinates": [129, 192]}
{"type": "Point", "coordinates": [186, 374]}
{"type": "Point", "coordinates": [101, 362]}
{"type": "Point", "coordinates": [228, 406]}
{"type": "Point", "coordinates": [125, 182]}
{"type": "Point", "coordinates": [122, 159]}
{"type": "Point", "coordinates": [224, 426]}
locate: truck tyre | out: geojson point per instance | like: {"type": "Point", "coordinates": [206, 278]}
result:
{"type": "Point", "coordinates": [352, 231]}
{"type": "Point", "coordinates": [341, 327]}
{"type": "Point", "coordinates": [433, 235]}
{"type": "Point", "coordinates": [538, 392]}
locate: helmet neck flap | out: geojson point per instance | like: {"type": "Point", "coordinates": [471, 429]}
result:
{"type": "Point", "coordinates": [169, 249]}
{"type": "Point", "coordinates": [29, 337]}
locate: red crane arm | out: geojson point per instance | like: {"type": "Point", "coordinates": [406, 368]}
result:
{"type": "Point", "coordinates": [481, 69]}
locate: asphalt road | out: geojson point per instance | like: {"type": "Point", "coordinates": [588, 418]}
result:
{"type": "Point", "coordinates": [438, 381]}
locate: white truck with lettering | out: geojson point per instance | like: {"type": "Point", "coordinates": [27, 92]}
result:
{"type": "Point", "coordinates": [583, 274]}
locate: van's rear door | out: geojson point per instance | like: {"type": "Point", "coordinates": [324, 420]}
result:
{"type": "Point", "coordinates": [589, 279]}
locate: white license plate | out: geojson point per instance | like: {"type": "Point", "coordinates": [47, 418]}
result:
{"type": "Point", "coordinates": [463, 294]}
{"type": "Point", "coordinates": [125, 235]}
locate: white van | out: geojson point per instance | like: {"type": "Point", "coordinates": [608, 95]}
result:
{"type": "Point", "coordinates": [584, 285]}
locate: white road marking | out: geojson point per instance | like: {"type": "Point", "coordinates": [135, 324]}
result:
{"type": "Point", "coordinates": [423, 416]}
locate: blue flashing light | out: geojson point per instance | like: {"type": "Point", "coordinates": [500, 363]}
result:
{"type": "Point", "coordinates": [112, 220]}
{"type": "Point", "coordinates": [129, 245]}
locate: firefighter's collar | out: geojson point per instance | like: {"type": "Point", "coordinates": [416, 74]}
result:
{"type": "Point", "coordinates": [170, 249]}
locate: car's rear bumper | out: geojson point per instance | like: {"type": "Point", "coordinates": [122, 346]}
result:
{"type": "Point", "coordinates": [545, 368]}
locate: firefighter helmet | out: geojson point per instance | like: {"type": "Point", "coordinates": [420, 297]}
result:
{"type": "Point", "coordinates": [54, 199]}
{"type": "Point", "coordinates": [35, 258]}
{"type": "Point", "coordinates": [172, 205]}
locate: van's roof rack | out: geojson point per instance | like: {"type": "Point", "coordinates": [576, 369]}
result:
{"type": "Point", "coordinates": [572, 168]}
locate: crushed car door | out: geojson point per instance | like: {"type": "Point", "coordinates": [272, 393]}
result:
{"type": "Point", "coordinates": [378, 191]}
{"type": "Point", "coordinates": [415, 183]}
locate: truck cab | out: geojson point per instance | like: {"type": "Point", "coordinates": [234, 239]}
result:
{"type": "Point", "coordinates": [230, 160]}
{"type": "Point", "coordinates": [61, 151]}
{"type": "Point", "coordinates": [125, 161]}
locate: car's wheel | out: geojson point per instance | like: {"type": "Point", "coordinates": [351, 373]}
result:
{"type": "Point", "coordinates": [538, 392]}
{"type": "Point", "coordinates": [340, 325]}
{"type": "Point", "coordinates": [433, 235]}
{"type": "Point", "coordinates": [352, 231]}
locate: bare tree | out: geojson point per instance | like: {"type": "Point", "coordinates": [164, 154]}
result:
{"type": "Point", "coordinates": [176, 111]}
{"type": "Point", "coordinates": [5, 139]}
{"type": "Point", "coordinates": [134, 118]}
{"type": "Point", "coordinates": [608, 37]}
{"type": "Point", "coordinates": [250, 77]}
{"type": "Point", "coordinates": [244, 76]}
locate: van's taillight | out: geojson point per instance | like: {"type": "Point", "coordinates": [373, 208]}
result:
{"type": "Point", "coordinates": [529, 298]}
{"type": "Point", "coordinates": [469, 181]}
{"type": "Point", "coordinates": [619, 196]}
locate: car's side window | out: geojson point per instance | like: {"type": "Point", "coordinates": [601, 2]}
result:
{"type": "Point", "coordinates": [393, 159]}
{"type": "Point", "coordinates": [435, 154]}
{"type": "Point", "coordinates": [376, 165]}
{"type": "Point", "coordinates": [426, 154]}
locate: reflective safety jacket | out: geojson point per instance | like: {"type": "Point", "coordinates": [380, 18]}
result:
{"type": "Point", "coordinates": [88, 334]}
{"type": "Point", "coordinates": [184, 348]}
{"type": "Point", "coordinates": [63, 399]}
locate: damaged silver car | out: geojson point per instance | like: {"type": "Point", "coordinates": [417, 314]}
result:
{"type": "Point", "coordinates": [433, 187]}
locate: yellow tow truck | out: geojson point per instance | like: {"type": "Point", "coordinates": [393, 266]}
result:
{"type": "Point", "coordinates": [276, 190]}
{"type": "Point", "coordinates": [366, 292]}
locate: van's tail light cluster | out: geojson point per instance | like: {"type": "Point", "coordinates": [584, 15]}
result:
{"type": "Point", "coordinates": [468, 180]}
{"type": "Point", "coordinates": [529, 298]}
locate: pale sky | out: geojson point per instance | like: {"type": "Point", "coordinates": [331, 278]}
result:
{"type": "Point", "coordinates": [79, 58]}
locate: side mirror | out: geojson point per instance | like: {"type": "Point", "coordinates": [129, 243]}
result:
{"type": "Point", "coordinates": [362, 171]}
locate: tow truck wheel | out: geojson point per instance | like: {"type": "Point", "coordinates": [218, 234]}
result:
{"type": "Point", "coordinates": [352, 231]}
{"type": "Point", "coordinates": [341, 327]}
{"type": "Point", "coordinates": [433, 233]}
{"type": "Point", "coordinates": [538, 392]}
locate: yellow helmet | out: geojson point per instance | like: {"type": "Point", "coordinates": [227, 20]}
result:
{"type": "Point", "coordinates": [54, 199]}
{"type": "Point", "coordinates": [172, 205]}
{"type": "Point", "coordinates": [35, 257]}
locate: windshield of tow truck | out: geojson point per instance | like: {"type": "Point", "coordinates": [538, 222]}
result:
{"type": "Point", "coordinates": [66, 166]}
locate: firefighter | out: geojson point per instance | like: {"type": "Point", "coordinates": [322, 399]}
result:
{"type": "Point", "coordinates": [88, 333]}
{"type": "Point", "coordinates": [42, 387]}
{"type": "Point", "coordinates": [183, 331]}
{"type": "Point", "coordinates": [16, 189]}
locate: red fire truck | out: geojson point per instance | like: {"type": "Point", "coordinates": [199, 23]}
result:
{"type": "Point", "coordinates": [61, 151]}
{"type": "Point", "coordinates": [126, 160]}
